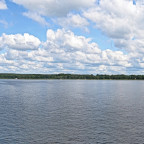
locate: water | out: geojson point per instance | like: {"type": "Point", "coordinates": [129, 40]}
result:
{"type": "Point", "coordinates": [71, 112]}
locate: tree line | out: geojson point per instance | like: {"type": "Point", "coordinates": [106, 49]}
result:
{"type": "Point", "coordinates": [71, 76]}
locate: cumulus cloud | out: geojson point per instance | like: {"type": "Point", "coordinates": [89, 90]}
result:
{"type": "Point", "coordinates": [3, 5]}
{"type": "Point", "coordinates": [63, 51]}
{"type": "Point", "coordinates": [120, 20]}
{"type": "Point", "coordinates": [68, 41]}
{"type": "Point", "coordinates": [78, 53]}
{"type": "Point", "coordinates": [19, 42]}
{"type": "Point", "coordinates": [73, 20]}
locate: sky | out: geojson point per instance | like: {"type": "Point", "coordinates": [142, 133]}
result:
{"type": "Point", "coordinates": [72, 36]}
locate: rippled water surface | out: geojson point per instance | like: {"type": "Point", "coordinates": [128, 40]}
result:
{"type": "Point", "coordinates": [71, 112]}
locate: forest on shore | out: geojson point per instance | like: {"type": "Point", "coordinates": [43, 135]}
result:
{"type": "Point", "coordinates": [71, 76]}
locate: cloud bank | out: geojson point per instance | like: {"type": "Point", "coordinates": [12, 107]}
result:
{"type": "Point", "coordinates": [63, 51]}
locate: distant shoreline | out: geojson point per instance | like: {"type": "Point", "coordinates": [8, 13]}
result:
{"type": "Point", "coordinates": [70, 76]}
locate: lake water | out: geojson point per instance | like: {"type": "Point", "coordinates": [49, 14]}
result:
{"type": "Point", "coordinates": [71, 112]}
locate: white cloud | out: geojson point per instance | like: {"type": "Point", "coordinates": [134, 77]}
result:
{"type": "Point", "coordinates": [63, 51]}
{"type": "Point", "coordinates": [73, 20]}
{"type": "Point", "coordinates": [78, 52]}
{"type": "Point", "coordinates": [54, 8]}
{"type": "Point", "coordinates": [60, 9]}
{"type": "Point", "coordinates": [122, 21]}
{"type": "Point", "coordinates": [68, 41]}
{"type": "Point", "coordinates": [3, 5]}
{"type": "Point", "coordinates": [5, 23]}
{"type": "Point", "coordinates": [36, 17]}
{"type": "Point", "coordinates": [19, 42]}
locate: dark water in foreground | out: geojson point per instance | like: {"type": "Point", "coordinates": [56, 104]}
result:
{"type": "Point", "coordinates": [71, 112]}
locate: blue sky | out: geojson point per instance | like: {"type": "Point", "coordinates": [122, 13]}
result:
{"type": "Point", "coordinates": [85, 36]}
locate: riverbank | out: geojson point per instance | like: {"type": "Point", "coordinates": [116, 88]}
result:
{"type": "Point", "coordinates": [71, 76]}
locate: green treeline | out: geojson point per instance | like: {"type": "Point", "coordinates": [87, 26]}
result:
{"type": "Point", "coordinates": [71, 76]}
